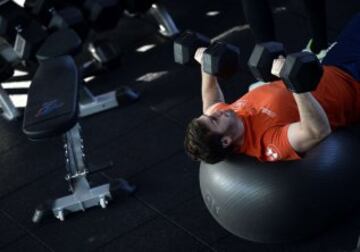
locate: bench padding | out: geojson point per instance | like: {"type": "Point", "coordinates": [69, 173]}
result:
{"type": "Point", "coordinates": [52, 106]}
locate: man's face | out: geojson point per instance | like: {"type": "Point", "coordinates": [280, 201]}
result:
{"type": "Point", "coordinates": [219, 121]}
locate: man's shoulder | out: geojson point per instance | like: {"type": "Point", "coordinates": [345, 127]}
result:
{"type": "Point", "coordinates": [216, 107]}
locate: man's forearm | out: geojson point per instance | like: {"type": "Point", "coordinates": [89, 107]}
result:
{"type": "Point", "coordinates": [313, 118]}
{"type": "Point", "coordinates": [210, 91]}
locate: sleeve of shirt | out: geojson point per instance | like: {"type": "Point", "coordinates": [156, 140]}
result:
{"type": "Point", "coordinates": [276, 146]}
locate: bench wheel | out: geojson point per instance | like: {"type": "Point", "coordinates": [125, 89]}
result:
{"type": "Point", "coordinates": [60, 215]}
{"type": "Point", "coordinates": [41, 211]}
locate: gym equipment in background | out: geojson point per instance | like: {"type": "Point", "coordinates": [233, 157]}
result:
{"type": "Point", "coordinates": [52, 110]}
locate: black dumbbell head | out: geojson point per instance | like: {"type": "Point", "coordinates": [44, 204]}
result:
{"type": "Point", "coordinates": [105, 53]}
{"type": "Point", "coordinates": [186, 45]}
{"type": "Point", "coordinates": [221, 59]}
{"type": "Point", "coordinates": [6, 69]}
{"type": "Point", "coordinates": [7, 53]}
{"type": "Point", "coordinates": [261, 59]}
{"type": "Point", "coordinates": [103, 14]}
{"type": "Point", "coordinates": [29, 39]}
{"type": "Point", "coordinates": [69, 17]}
{"type": "Point", "coordinates": [301, 72]}
{"type": "Point", "coordinates": [11, 16]}
{"type": "Point", "coordinates": [41, 9]}
{"type": "Point", "coordinates": [137, 6]}
{"type": "Point", "coordinates": [36, 7]}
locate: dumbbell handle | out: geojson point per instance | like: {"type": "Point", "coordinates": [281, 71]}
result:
{"type": "Point", "coordinates": [199, 54]}
{"type": "Point", "coordinates": [277, 66]}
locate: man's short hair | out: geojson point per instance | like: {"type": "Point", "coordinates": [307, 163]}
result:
{"type": "Point", "coordinates": [202, 144]}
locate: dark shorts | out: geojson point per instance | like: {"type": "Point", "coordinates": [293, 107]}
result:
{"type": "Point", "coordinates": [346, 52]}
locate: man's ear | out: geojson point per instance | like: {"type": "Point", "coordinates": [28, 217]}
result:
{"type": "Point", "coordinates": [226, 141]}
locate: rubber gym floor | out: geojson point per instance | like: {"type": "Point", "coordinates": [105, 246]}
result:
{"type": "Point", "coordinates": [145, 142]}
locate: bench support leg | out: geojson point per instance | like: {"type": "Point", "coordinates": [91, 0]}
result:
{"type": "Point", "coordinates": [83, 196]}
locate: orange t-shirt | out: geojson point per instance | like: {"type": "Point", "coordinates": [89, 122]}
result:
{"type": "Point", "coordinates": [267, 111]}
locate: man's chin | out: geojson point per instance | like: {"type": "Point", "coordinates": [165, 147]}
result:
{"type": "Point", "coordinates": [232, 113]}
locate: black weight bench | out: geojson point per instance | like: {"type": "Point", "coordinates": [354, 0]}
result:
{"type": "Point", "coordinates": [52, 110]}
{"type": "Point", "coordinates": [89, 104]}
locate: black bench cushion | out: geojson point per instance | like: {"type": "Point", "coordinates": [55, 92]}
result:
{"type": "Point", "coordinates": [62, 42]}
{"type": "Point", "coordinates": [52, 106]}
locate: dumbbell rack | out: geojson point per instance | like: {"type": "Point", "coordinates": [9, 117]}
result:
{"type": "Point", "coordinates": [89, 103]}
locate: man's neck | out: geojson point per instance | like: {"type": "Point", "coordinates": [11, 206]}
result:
{"type": "Point", "coordinates": [238, 131]}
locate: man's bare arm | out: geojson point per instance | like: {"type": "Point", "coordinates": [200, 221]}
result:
{"type": "Point", "coordinates": [210, 89]}
{"type": "Point", "coordinates": [313, 126]}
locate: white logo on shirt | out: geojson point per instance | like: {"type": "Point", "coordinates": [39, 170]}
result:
{"type": "Point", "coordinates": [239, 104]}
{"type": "Point", "coordinates": [242, 104]}
{"type": "Point", "coordinates": [268, 112]}
{"type": "Point", "coordinates": [271, 153]}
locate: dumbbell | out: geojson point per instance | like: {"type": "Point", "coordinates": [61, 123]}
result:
{"type": "Point", "coordinates": [105, 53]}
{"type": "Point", "coordinates": [11, 16]}
{"type": "Point", "coordinates": [101, 14]}
{"type": "Point", "coordinates": [261, 60]}
{"type": "Point", "coordinates": [42, 9]}
{"type": "Point", "coordinates": [6, 67]}
{"type": "Point", "coordinates": [104, 57]}
{"type": "Point", "coordinates": [7, 53]}
{"type": "Point", "coordinates": [55, 15]}
{"type": "Point", "coordinates": [137, 6]}
{"type": "Point", "coordinates": [301, 72]}
{"type": "Point", "coordinates": [20, 30]}
{"type": "Point", "coordinates": [28, 40]}
{"type": "Point", "coordinates": [186, 45]}
{"type": "Point", "coordinates": [107, 57]}
{"type": "Point", "coordinates": [219, 59]}
{"type": "Point", "coordinates": [69, 17]}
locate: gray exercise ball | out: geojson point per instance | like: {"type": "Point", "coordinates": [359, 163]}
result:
{"type": "Point", "coordinates": [288, 200]}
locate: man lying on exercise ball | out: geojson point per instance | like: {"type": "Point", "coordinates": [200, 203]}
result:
{"type": "Point", "coordinates": [283, 119]}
